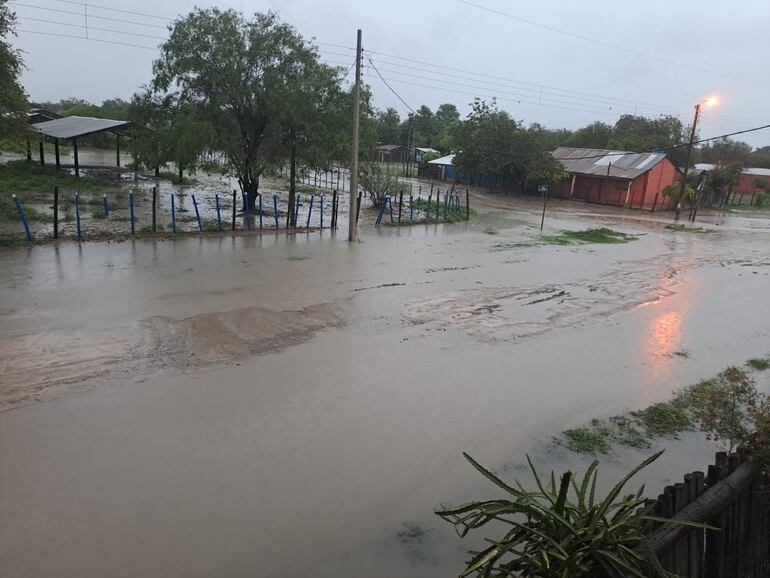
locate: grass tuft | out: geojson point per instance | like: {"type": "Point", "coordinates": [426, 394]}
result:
{"type": "Point", "coordinates": [758, 363]}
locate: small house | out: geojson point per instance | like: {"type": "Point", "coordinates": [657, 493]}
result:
{"type": "Point", "coordinates": [619, 178]}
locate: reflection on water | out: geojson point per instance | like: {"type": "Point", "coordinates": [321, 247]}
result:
{"type": "Point", "coordinates": [665, 335]}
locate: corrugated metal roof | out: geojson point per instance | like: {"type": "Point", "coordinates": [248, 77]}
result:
{"type": "Point", "coordinates": [447, 160]}
{"type": "Point", "coordinates": [426, 150]}
{"type": "Point", "coordinates": [602, 162]}
{"type": "Point", "coordinates": [746, 171]}
{"type": "Point", "coordinates": [74, 126]}
{"type": "Point", "coordinates": [388, 147]}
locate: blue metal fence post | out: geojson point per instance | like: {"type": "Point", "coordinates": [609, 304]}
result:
{"type": "Point", "coordinates": [105, 205]}
{"type": "Point", "coordinates": [275, 210]}
{"type": "Point", "coordinates": [77, 214]}
{"type": "Point", "coordinates": [173, 214]}
{"type": "Point", "coordinates": [247, 212]}
{"type": "Point", "coordinates": [322, 211]}
{"type": "Point", "coordinates": [310, 211]}
{"type": "Point", "coordinates": [430, 202]}
{"type": "Point", "coordinates": [131, 212]}
{"type": "Point", "coordinates": [219, 212]}
{"type": "Point", "coordinates": [260, 210]}
{"type": "Point", "coordinates": [197, 214]}
{"type": "Point", "coordinates": [390, 204]}
{"type": "Point", "coordinates": [446, 203]}
{"type": "Point", "coordinates": [382, 211]}
{"type": "Point", "coordinates": [411, 208]}
{"type": "Point", "coordinates": [23, 218]}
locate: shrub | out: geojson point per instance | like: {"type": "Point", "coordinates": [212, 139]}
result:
{"type": "Point", "coordinates": [560, 530]}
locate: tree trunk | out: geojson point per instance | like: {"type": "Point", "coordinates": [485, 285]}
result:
{"type": "Point", "coordinates": [292, 216]}
{"type": "Point", "coordinates": [251, 187]}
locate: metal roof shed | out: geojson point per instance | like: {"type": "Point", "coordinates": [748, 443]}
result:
{"type": "Point", "coordinates": [74, 127]}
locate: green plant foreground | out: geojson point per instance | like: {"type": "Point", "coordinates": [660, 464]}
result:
{"type": "Point", "coordinates": [561, 529]}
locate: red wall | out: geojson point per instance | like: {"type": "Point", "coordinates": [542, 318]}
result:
{"type": "Point", "coordinates": [606, 191]}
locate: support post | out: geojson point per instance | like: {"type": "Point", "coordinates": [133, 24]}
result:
{"type": "Point", "coordinates": [173, 214]}
{"type": "Point", "coordinates": [467, 205]}
{"type": "Point", "coordinates": [234, 209]}
{"type": "Point", "coordinates": [197, 214]}
{"type": "Point", "coordinates": [131, 210]}
{"type": "Point", "coordinates": [56, 212]}
{"type": "Point", "coordinates": [219, 213]}
{"type": "Point", "coordinates": [77, 215]}
{"type": "Point", "coordinates": [42, 153]}
{"type": "Point", "coordinates": [23, 218]}
{"type": "Point", "coordinates": [56, 152]}
{"type": "Point", "coordinates": [358, 206]}
{"type": "Point", "coordinates": [117, 150]}
{"type": "Point", "coordinates": [400, 205]}
{"type": "Point", "coordinates": [321, 207]}
{"type": "Point", "coordinates": [155, 209]}
{"type": "Point", "coordinates": [105, 206]}
{"type": "Point", "coordinates": [354, 166]}
{"type": "Point", "coordinates": [259, 196]}
{"type": "Point", "coordinates": [310, 211]}
{"type": "Point", "coordinates": [75, 154]}
{"type": "Point", "coordinates": [275, 211]}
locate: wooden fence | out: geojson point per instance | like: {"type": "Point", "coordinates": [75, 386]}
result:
{"type": "Point", "coordinates": [732, 497]}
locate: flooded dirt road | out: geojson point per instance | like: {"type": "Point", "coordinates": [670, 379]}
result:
{"type": "Point", "coordinates": [285, 406]}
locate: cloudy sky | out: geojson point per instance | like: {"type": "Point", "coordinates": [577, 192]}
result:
{"type": "Point", "coordinates": [559, 63]}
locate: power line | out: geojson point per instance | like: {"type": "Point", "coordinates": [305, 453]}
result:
{"type": "Point", "coordinates": [58, 11]}
{"type": "Point", "coordinates": [603, 43]}
{"type": "Point", "coordinates": [60, 35]}
{"type": "Point", "coordinates": [115, 10]}
{"type": "Point", "coordinates": [388, 85]}
{"type": "Point", "coordinates": [91, 28]}
{"type": "Point", "coordinates": [672, 147]}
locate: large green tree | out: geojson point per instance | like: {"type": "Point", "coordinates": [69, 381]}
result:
{"type": "Point", "coordinates": [235, 75]}
{"type": "Point", "coordinates": [388, 123]}
{"type": "Point", "coordinates": [724, 151]}
{"type": "Point", "coordinates": [13, 99]}
{"type": "Point", "coordinates": [596, 135]}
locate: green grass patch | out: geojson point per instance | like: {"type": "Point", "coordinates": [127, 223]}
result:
{"type": "Point", "coordinates": [593, 439]}
{"type": "Point", "coordinates": [601, 235]}
{"type": "Point", "coordinates": [758, 363]}
{"type": "Point", "coordinates": [24, 177]}
{"type": "Point", "coordinates": [664, 419]}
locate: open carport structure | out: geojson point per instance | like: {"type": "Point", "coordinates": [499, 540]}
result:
{"type": "Point", "coordinates": [75, 127]}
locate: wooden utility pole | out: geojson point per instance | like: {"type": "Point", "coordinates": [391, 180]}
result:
{"type": "Point", "coordinates": [354, 167]}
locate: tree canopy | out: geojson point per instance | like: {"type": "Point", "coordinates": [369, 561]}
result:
{"type": "Point", "coordinates": [251, 88]}
{"type": "Point", "coordinates": [13, 98]}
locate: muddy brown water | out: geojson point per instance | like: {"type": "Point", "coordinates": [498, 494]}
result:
{"type": "Point", "coordinates": [282, 406]}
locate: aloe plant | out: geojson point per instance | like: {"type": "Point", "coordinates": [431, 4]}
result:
{"type": "Point", "coordinates": [561, 529]}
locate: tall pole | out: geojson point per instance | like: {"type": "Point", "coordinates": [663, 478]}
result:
{"type": "Point", "coordinates": [354, 169]}
{"type": "Point", "coordinates": [687, 164]}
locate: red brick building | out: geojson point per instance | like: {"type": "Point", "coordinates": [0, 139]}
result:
{"type": "Point", "coordinates": [619, 178]}
{"type": "Point", "coordinates": [747, 185]}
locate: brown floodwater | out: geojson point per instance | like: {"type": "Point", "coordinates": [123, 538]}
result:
{"type": "Point", "coordinates": [284, 405]}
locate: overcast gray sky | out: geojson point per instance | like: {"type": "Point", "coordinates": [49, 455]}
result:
{"type": "Point", "coordinates": [722, 48]}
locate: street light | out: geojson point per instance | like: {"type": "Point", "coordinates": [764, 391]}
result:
{"type": "Point", "coordinates": [709, 101]}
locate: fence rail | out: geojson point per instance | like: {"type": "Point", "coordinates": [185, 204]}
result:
{"type": "Point", "coordinates": [733, 499]}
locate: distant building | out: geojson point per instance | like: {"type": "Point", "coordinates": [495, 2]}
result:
{"type": "Point", "coordinates": [421, 152]}
{"type": "Point", "coordinates": [747, 185]}
{"type": "Point", "coordinates": [619, 178]}
{"type": "Point", "coordinates": [389, 153]}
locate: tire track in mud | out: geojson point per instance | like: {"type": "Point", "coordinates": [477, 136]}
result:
{"type": "Point", "coordinates": [42, 366]}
